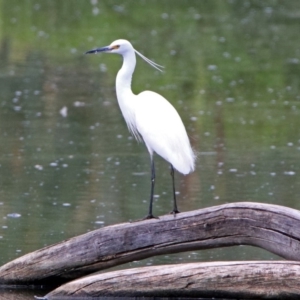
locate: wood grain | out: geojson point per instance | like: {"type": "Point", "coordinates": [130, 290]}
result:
{"type": "Point", "coordinates": [255, 280]}
{"type": "Point", "coordinates": [274, 228]}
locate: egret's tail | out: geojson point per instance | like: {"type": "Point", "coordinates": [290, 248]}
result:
{"type": "Point", "coordinates": [184, 162]}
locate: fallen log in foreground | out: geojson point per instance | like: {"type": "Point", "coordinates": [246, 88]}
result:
{"type": "Point", "coordinates": [274, 228]}
{"type": "Point", "coordinates": [259, 280]}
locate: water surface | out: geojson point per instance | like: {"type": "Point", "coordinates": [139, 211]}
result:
{"type": "Point", "coordinates": [68, 164]}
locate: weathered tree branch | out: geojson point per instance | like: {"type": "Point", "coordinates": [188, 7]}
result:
{"type": "Point", "coordinates": [274, 228]}
{"type": "Point", "coordinates": [255, 280]}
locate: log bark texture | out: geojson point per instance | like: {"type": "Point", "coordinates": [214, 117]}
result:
{"type": "Point", "coordinates": [242, 280]}
{"type": "Point", "coordinates": [274, 228]}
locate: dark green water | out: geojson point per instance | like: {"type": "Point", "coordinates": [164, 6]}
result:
{"type": "Point", "coordinates": [231, 70]}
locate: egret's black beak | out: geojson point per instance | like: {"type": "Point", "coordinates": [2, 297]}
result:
{"type": "Point", "coordinates": [103, 49]}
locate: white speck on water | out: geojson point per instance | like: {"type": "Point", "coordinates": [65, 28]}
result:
{"type": "Point", "coordinates": [293, 61]}
{"type": "Point", "coordinates": [78, 104]}
{"type": "Point", "coordinates": [99, 222]}
{"type": "Point", "coordinates": [212, 67]}
{"type": "Point", "coordinates": [139, 173]}
{"type": "Point", "coordinates": [232, 170]}
{"type": "Point", "coordinates": [268, 10]}
{"type": "Point", "coordinates": [64, 111]}
{"type": "Point", "coordinates": [290, 144]}
{"type": "Point", "coordinates": [66, 204]}
{"type": "Point", "coordinates": [14, 215]}
{"type": "Point", "coordinates": [165, 16]}
{"type": "Point", "coordinates": [289, 173]}
{"type": "Point", "coordinates": [226, 54]}
{"type": "Point", "coordinates": [37, 6]}
{"type": "Point", "coordinates": [39, 167]}
{"type": "Point", "coordinates": [96, 11]}
{"type": "Point", "coordinates": [103, 68]}
{"type": "Point", "coordinates": [53, 164]}
{"type": "Point", "coordinates": [197, 16]}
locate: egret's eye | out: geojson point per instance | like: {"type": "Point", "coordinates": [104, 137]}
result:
{"type": "Point", "coordinates": [115, 47]}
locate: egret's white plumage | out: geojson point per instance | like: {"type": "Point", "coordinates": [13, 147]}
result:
{"type": "Point", "coordinates": [151, 117]}
{"type": "Point", "coordinates": [166, 136]}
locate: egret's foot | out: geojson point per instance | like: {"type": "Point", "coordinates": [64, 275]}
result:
{"type": "Point", "coordinates": [174, 212]}
{"type": "Point", "coordinates": [148, 217]}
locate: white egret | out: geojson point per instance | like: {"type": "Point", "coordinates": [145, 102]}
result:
{"type": "Point", "coordinates": [150, 117]}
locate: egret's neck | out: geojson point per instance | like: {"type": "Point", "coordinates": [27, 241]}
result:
{"type": "Point", "coordinates": [126, 98]}
{"type": "Point", "coordinates": [123, 80]}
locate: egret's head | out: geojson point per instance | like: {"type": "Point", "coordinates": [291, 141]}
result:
{"type": "Point", "coordinates": [122, 47]}
{"type": "Point", "coordinates": [118, 46]}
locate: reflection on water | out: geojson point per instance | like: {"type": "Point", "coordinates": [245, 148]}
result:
{"type": "Point", "coordinates": [67, 162]}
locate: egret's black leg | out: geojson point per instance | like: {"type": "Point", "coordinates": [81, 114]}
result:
{"type": "Point", "coordinates": [150, 215]}
{"type": "Point", "coordinates": [175, 209]}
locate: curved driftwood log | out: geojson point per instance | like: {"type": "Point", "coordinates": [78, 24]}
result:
{"type": "Point", "coordinates": [274, 228]}
{"type": "Point", "coordinates": [255, 280]}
